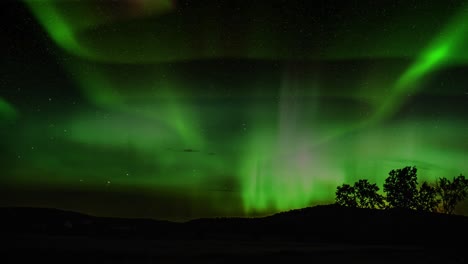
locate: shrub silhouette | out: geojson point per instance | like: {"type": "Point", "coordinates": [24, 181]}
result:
{"type": "Point", "coordinates": [363, 195]}
{"type": "Point", "coordinates": [451, 192]}
{"type": "Point", "coordinates": [400, 188]}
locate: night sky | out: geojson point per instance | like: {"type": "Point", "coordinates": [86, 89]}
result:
{"type": "Point", "coordinates": [184, 109]}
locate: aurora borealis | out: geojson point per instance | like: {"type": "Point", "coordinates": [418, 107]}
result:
{"type": "Point", "coordinates": [184, 109]}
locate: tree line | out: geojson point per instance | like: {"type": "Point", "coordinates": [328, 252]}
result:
{"type": "Point", "coordinates": [402, 190]}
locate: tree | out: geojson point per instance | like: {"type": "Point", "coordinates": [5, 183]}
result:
{"type": "Point", "coordinates": [426, 199]}
{"type": "Point", "coordinates": [345, 195]}
{"type": "Point", "coordinates": [401, 191]}
{"type": "Point", "coordinates": [451, 192]}
{"type": "Point", "coordinates": [363, 195]}
{"type": "Point", "coordinates": [401, 188]}
{"type": "Point", "coordinates": [367, 195]}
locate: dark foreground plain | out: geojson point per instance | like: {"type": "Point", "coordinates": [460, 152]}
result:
{"type": "Point", "coordinates": [321, 234]}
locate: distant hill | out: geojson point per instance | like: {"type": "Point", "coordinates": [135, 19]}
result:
{"type": "Point", "coordinates": [47, 221]}
{"type": "Point", "coordinates": [336, 224]}
{"type": "Point", "coordinates": [321, 234]}
{"type": "Point", "coordinates": [324, 224]}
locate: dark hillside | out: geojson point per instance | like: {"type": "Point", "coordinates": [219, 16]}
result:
{"type": "Point", "coordinates": [321, 233]}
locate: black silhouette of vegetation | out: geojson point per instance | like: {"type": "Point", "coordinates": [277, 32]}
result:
{"type": "Point", "coordinates": [346, 195]}
{"type": "Point", "coordinates": [362, 194]}
{"type": "Point", "coordinates": [451, 192]}
{"type": "Point", "coordinates": [402, 234]}
{"type": "Point", "coordinates": [402, 190]}
{"type": "Point", "coordinates": [426, 199]}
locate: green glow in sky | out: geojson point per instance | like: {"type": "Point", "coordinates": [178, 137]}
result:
{"type": "Point", "coordinates": [241, 111]}
{"type": "Point", "coordinates": [445, 48]}
{"type": "Point", "coordinates": [64, 21]}
{"type": "Point", "coordinates": [164, 35]}
{"type": "Point", "coordinates": [60, 31]}
{"type": "Point", "coordinates": [7, 111]}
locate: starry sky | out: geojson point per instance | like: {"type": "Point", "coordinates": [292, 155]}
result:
{"type": "Point", "coordinates": [184, 109]}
